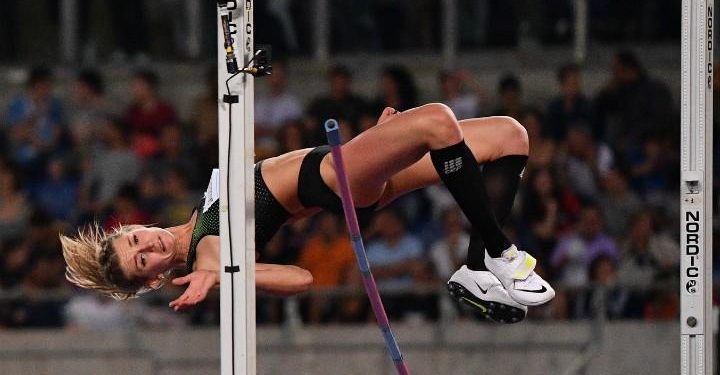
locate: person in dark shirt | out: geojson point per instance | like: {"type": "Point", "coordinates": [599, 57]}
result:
{"type": "Point", "coordinates": [147, 113]}
{"type": "Point", "coordinates": [632, 105]}
{"type": "Point", "coordinates": [340, 102]}
{"type": "Point", "coordinates": [570, 106]}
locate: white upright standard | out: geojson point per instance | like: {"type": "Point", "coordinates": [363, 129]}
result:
{"type": "Point", "coordinates": [696, 323]}
{"type": "Point", "coordinates": [237, 189]}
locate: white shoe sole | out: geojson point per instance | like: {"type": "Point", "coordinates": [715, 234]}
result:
{"type": "Point", "coordinates": [488, 298]}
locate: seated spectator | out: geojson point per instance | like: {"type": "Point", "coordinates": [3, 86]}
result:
{"type": "Point", "coordinates": [648, 255]}
{"type": "Point", "coordinates": [283, 248]}
{"type": "Point", "coordinates": [88, 110]}
{"type": "Point", "coordinates": [633, 104]}
{"type": "Point", "coordinates": [464, 104]}
{"type": "Point", "coordinates": [125, 209]}
{"type": "Point", "coordinates": [619, 203]}
{"type": "Point", "coordinates": [542, 148]}
{"type": "Point", "coordinates": [276, 107]}
{"type": "Point", "coordinates": [604, 296]}
{"type": "Point", "coordinates": [396, 258]}
{"type": "Point", "coordinates": [587, 162]}
{"type": "Point", "coordinates": [175, 152]}
{"type": "Point", "coordinates": [14, 205]}
{"type": "Point", "coordinates": [397, 89]}
{"type": "Point", "coordinates": [640, 270]}
{"type": "Point", "coordinates": [14, 262]}
{"type": "Point", "coordinates": [575, 250]}
{"type": "Point", "coordinates": [42, 232]}
{"type": "Point", "coordinates": [34, 124]}
{"type": "Point", "coordinates": [204, 123]}
{"type": "Point", "coordinates": [57, 193]}
{"type": "Point", "coordinates": [329, 256]}
{"type": "Point", "coordinates": [511, 100]}
{"type": "Point", "coordinates": [570, 106]}
{"type": "Point", "coordinates": [340, 102]}
{"type": "Point", "coordinates": [101, 180]}
{"type": "Point", "coordinates": [291, 137]}
{"type": "Point", "coordinates": [548, 209]}
{"type": "Point", "coordinates": [147, 114]}
{"type": "Point", "coordinates": [653, 169]}
{"type": "Point", "coordinates": [179, 199]}
{"type": "Point", "coordinates": [151, 194]}
{"type": "Point", "coordinates": [449, 252]}
{"type": "Point", "coordinates": [44, 280]}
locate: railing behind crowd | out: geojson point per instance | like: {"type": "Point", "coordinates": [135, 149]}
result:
{"type": "Point", "coordinates": [437, 305]}
{"type": "Point", "coordinates": [599, 298]}
{"type": "Point", "coordinates": [94, 32]}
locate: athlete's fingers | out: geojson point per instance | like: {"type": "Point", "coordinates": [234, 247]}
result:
{"type": "Point", "coordinates": [180, 299]}
{"type": "Point", "coordinates": [181, 280]}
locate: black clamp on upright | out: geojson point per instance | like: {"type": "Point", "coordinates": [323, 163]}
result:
{"type": "Point", "coordinates": [231, 99]}
{"type": "Point", "coordinates": [232, 269]}
{"type": "Point", "coordinates": [261, 62]}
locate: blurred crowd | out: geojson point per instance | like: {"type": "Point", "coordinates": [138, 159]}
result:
{"type": "Point", "coordinates": [598, 206]}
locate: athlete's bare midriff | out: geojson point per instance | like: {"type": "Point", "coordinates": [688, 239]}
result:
{"type": "Point", "coordinates": [281, 177]}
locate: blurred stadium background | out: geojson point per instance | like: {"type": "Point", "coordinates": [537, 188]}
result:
{"type": "Point", "coordinates": [109, 115]}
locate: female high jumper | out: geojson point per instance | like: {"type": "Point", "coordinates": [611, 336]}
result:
{"type": "Point", "coordinates": [403, 152]}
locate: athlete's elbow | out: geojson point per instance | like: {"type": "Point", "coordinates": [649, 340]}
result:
{"type": "Point", "coordinates": [301, 281]}
{"type": "Point", "coordinates": [304, 281]}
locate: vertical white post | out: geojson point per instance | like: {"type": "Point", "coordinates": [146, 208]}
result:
{"type": "Point", "coordinates": [450, 32]}
{"type": "Point", "coordinates": [696, 188]}
{"type": "Point", "coordinates": [193, 14]}
{"type": "Point", "coordinates": [581, 21]}
{"type": "Point", "coordinates": [69, 30]}
{"type": "Point", "coordinates": [322, 30]}
{"type": "Point", "coordinates": [237, 195]}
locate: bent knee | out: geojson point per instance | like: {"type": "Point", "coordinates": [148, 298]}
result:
{"type": "Point", "coordinates": [515, 135]}
{"type": "Point", "coordinates": [441, 126]}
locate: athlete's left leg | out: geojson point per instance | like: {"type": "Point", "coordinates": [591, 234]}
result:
{"type": "Point", "coordinates": [501, 144]}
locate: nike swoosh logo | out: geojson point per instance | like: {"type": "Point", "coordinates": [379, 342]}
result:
{"type": "Point", "coordinates": [541, 290]}
{"type": "Point", "coordinates": [484, 291]}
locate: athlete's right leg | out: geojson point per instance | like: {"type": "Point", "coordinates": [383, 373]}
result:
{"type": "Point", "coordinates": [376, 155]}
{"type": "Point", "coordinates": [391, 148]}
{"type": "Point", "coordinates": [397, 142]}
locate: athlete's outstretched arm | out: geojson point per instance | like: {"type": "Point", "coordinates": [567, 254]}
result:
{"type": "Point", "coordinates": [278, 279]}
{"type": "Point", "coordinates": [282, 280]}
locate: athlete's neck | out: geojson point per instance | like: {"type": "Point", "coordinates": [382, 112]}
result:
{"type": "Point", "coordinates": [183, 236]}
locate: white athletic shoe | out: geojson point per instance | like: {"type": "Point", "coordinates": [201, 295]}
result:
{"type": "Point", "coordinates": [514, 269]}
{"type": "Point", "coordinates": [483, 291]}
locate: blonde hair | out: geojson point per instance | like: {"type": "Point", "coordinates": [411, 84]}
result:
{"type": "Point", "coordinates": [93, 263]}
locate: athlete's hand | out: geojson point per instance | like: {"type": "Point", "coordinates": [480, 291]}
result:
{"type": "Point", "coordinates": [199, 283]}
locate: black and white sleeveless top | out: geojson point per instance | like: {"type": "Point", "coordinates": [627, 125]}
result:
{"type": "Point", "coordinates": [269, 215]}
{"type": "Point", "coordinates": [208, 218]}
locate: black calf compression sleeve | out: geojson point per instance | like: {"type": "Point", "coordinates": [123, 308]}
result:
{"type": "Point", "coordinates": [461, 174]}
{"type": "Point", "coordinates": [502, 179]}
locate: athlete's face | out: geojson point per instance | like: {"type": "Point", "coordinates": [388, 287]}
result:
{"type": "Point", "coordinates": [145, 253]}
